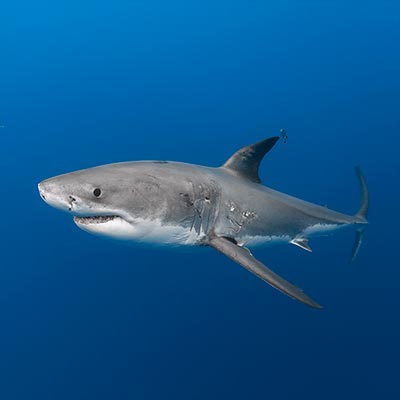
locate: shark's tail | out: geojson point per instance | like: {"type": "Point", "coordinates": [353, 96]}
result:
{"type": "Point", "coordinates": [363, 211]}
{"type": "Point", "coordinates": [362, 214]}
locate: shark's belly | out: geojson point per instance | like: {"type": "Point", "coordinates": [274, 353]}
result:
{"type": "Point", "coordinates": [258, 240]}
{"type": "Point", "coordinates": [272, 239]}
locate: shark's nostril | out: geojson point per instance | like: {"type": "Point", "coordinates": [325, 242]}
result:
{"type": "Point", "coordinates": [43, 196]}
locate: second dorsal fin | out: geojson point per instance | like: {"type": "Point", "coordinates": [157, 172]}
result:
{"type": "Point", "coordinates": [246, 161]}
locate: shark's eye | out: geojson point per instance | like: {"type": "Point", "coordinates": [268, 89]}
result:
{"type": "Point", "coordinates": [97, 192]}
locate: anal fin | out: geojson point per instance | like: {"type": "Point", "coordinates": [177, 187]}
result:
{"type": "Point", "coordinates": [242, 256]}
{"type": "Point", "coordinates": [302, 243]}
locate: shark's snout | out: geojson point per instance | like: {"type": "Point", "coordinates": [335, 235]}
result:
{"type": "Point", "coordinates": [52, 195]}
{"type": "Point", "coordinates": [41, 191]}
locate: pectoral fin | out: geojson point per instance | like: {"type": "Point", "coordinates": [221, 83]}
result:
{"type": "Point", "coordinates": [243, 257]}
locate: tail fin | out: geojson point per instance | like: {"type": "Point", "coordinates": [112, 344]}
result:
{"type": "Point", "coordinates": [361, 215]}
{"type": "Point", "coordinates": [363, 211]}
{"type": "Point", "coordinates": [357, 244]}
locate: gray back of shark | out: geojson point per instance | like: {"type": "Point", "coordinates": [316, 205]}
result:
{"type": "Point", "coordinates": [173, 204]}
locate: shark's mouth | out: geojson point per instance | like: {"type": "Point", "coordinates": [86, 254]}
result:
{"type": "Point", "coordinates": [112, 226]}
{"type": "Point", "coordinates": [95, 219]}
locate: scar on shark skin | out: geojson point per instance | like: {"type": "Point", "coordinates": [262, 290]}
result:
{"type": "Point", "coordinates": [179, 204]}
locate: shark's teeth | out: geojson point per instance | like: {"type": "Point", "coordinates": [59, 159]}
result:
{"type": "Point", "coordinates": [94, 220]}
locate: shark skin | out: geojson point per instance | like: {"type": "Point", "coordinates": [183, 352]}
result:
{"type": "Point", "coordinates": [178, 204]}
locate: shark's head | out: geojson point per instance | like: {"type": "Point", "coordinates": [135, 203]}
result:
{"type": "Point", "coordinates": [106, 200]}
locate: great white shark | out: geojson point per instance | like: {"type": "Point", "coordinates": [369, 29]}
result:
{"type": "Point", "coordinates": [226, 208]}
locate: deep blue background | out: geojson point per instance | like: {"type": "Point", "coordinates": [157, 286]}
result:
{"type": "Point", "coordinates": [88, 83]}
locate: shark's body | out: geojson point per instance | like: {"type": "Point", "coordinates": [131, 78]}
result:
{"type": "Point", "coordinates": [173, 203]}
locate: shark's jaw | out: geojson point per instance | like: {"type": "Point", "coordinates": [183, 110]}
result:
{"type": "Point", "coordinates": [94, 219]}
{"type": "Point", "coordinates": [111, 226]}
{"type": "Point", "coordinates": [147, 231]}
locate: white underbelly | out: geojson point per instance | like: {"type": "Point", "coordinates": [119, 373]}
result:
{"type": "Point", "coordinates": [260, 240]}
{"type": "Point", "coordinates": [253, 241]}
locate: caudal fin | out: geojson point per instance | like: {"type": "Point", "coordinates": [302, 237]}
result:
{"type": "Point", "coordinates": [357, 244]}
{"type": "Point", "coordinates": [362, 214]}
{"type": "Point", "coordinates": [363, 211]}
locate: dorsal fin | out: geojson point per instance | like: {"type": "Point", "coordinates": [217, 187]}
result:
{"type": "Point", "coordinates": [245, 162]}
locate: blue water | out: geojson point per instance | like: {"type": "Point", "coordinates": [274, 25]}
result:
{"type": "Point", "coordinates": [89, 83]}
